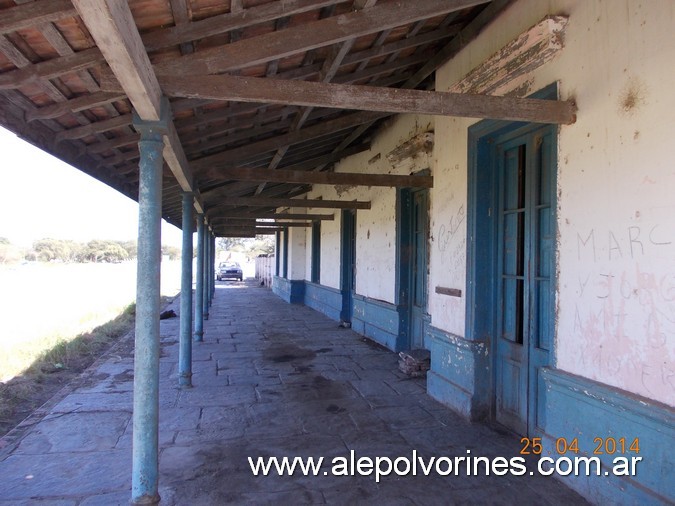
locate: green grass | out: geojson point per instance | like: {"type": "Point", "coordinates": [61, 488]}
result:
{"type": "Point", "coordinates": [54, 367]}
{"type": "Point", "coordinates": [67, 352]}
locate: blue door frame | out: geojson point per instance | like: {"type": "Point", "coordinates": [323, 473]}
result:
{"type": "Point", "coordinates": [511, 261]}
{"type": "Point", "coordinates": [348, 264]}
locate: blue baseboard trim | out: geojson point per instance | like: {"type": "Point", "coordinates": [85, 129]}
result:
{"type": "Point", "coordinates": [380, 321]}
{"type": "Point", "coordinates": [323, 299]}
{"type": "Point", "coordinates": [585, 409]}
{"type": "Point", "coordinates": [290, 290]}
{"type": "Point", "coordinates": [459, 375]}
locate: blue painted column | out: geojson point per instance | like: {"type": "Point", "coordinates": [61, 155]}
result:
{"type": "Point", "coordinates": [199, 278]}
{"type": "Point", "coordinates": [211, 262]}
{"type": "Point", "coordinates": [185, 349]}
{"type": "Point", "coordinates": [205, 272]}
{"type": "Point", "coordinates": [145, 458]}
{"type": "Point", "coordinates": [277, 252]}
{"type": "Point", "coordinates": [213, 266]}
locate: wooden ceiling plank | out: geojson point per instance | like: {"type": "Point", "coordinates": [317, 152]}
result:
{"type": "Point", "coordinates": [63, 48]}
{"type": "Point", "coordinates": [94, 128]}
{"type": "Point", "coordinates": [77, 104]}
{"type": "Point", "coordinates": [324, 128]}
{"type": "Point", "coordinates": [222, 23]}
{"type": "Point", "coordinates": [307, 36]}
{"type": "Point", "coordinates": [370, 98]}
{"type": "Point", "coordinates": [329, 158]}
{"type": "Point", "coordinates": [117, 142]}
{"type": "Point", "coordinates": [51, 69]}
{"type": "Point", "coordinates": [331, 178]}
{"type": "Point", "coordinates": [330, 68]}
{"type": "Point", "coordinates": [35, 13]}
{"type": "Point", "coordinates": [374, 51]}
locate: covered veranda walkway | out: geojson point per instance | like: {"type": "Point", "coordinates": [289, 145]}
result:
{"type": "Point", "coordinates": [270, 379]}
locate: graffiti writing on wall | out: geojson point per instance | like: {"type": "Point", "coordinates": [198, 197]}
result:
{"type": "Point", "coordinates": [631, 242]}
{"type": "Point", "coordinates": [446, 233]}
{"type": "Point", "coordinates": [624, 316]}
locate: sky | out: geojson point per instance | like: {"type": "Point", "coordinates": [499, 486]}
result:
{"type": "Point", "coordinates": [43, 197]}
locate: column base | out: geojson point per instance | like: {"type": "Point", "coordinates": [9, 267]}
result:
{"type": "Point", "coordinates": [185, 380]}
{"type": "Point", "coordinates": [146, 500]}
{"type": "Point", "coordinates": [199, 336]}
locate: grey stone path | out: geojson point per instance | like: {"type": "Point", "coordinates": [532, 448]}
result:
{"type": "Point", "coordinates": [271, 379]}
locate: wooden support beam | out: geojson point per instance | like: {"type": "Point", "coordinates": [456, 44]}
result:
{"type": "Point", "coordinates": [228, 229]}
{"type": "Point", "coordinates": [112, 26]}
{"type": "Point", "coordinates": [272, 216]}
{"type": "Point", "coordinates": [279, 202]}
{"type": "Point", "coordinates": [35, 14]}
{"type": "Point", "coordinates": [307, 36]}
{"type": "Point", "coordinates": [277, 224]}
{"type": "Point", "coordinates": [260, 226]}
{"type": "Point", "coordinates": [369, 98]}
{"type": "Point", "coordinates": [333, 178]}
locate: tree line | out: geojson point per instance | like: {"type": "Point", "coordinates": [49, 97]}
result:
{"type": "Point", "coordinates": [67, 251]}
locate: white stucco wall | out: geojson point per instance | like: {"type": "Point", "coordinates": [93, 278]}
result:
{"type": "Point", "coordinates": [616, 178]}
{"type": "Point", "coordinates": [297, 252]}
{"type": "Point", "coordinates": [376, 227]}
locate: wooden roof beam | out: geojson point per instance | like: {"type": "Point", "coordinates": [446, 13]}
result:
{"type": "Point", "coordinates": [298, 39]}
{"type": "Point", "coordinates": [280, 202]}
{"type": "Point", "coordinates": [229, 21]}
{"type": "Point", "coordinates": [50, 69]}
{"type": "Point", "coordinates": [339, 178]}
{"type": "Point", "coordinates": [244, 233]}
{"type": "Point", "coordinates": [261, 225]}
{"type": "Point", "coordinates": [112, 26]}
{"type": "Point", "coordinates": [74, 105]}
{"type": "Point", "coordinates": [369, 98]}
{"type": "Point", "coordinates": [273, 216]}
{"type": "Point", "coordinates": [35, 14]}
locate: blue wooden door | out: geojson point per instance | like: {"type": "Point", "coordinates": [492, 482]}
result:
{"type": "Point", "coordinates": [419, 266]}
{"type": "Point", "coordinates": [348, 267]}
{"type": "Point", "coordinates": [525, 212]}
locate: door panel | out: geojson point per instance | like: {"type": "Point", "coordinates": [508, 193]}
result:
{"type": "Point", "coordinates": [524, 274]}
{"type": "Point", "coordinates": [420, 233]}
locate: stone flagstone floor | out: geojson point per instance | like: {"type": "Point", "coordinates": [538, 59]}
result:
{"type": "Point", "coordinates": [270, 379]}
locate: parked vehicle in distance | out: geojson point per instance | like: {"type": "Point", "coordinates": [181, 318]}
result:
{"type": "Point", "coordinates": [229, 270]}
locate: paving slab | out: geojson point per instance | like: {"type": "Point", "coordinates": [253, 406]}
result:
{"type": "Point", "coordinates": [270, 379]}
